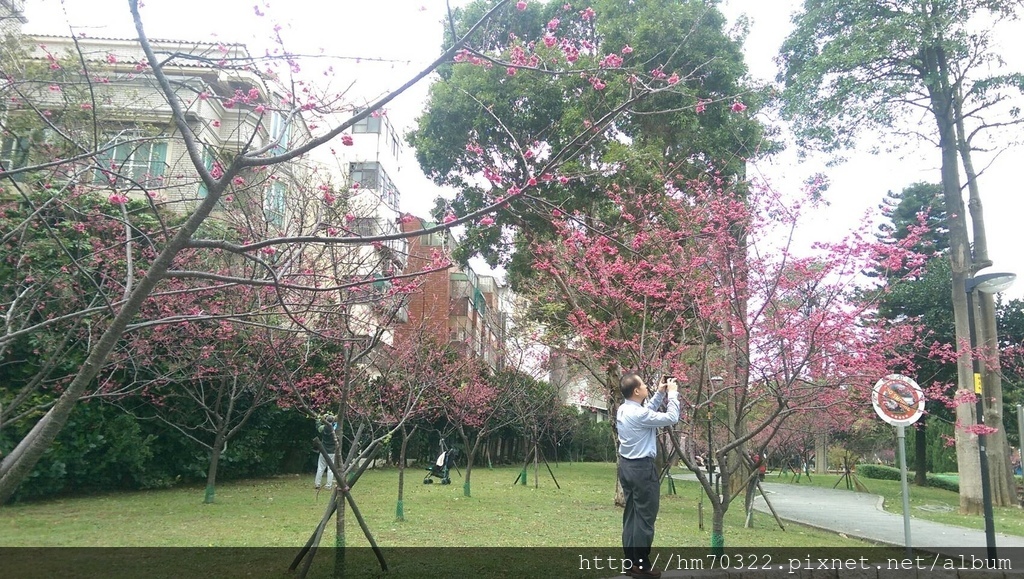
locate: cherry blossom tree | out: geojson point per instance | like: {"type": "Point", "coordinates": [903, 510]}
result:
{"type": "Point", "coordinates": [688, 279]}
{"type": "Point", "coordinates": [205, 377]}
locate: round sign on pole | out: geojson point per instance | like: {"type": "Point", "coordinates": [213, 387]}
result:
{"type": "Point", "coordinates": [898, 400]}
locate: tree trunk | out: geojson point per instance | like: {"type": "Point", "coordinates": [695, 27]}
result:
{"type": "Point", "coordinates": [717, 527]}
{"type": "Point", "coordinates": [821, 452]}
{"type": "Point", "coordinates": [1004, 491]}
{"type": "Point", "coordinates": [211, 473]}
{"type": "Point", "coordinates": [937, 76]}
{"type": "Point", "coordinates": [470, 451]}
{"type": "Point", "coordinates": [997, 447]}
{"type": "Point", "coordinates": [400, 507]}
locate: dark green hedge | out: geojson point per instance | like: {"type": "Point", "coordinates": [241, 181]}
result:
{"type": "Point", "coordinates": [939, 482]}
{"type": "Point", "coordinates": [878, 471]}
{"type": "Point", "coordinates": [102, 449]}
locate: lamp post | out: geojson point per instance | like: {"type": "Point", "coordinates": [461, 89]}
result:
{"type": "Point", "coordinates": [989, 283]}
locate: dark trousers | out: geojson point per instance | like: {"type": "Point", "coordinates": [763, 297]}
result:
{"type": "Point", "coordinates": [640, 487]}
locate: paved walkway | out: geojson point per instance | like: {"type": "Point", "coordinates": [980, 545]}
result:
{"type": "Point", "coordinates": [860, 515]}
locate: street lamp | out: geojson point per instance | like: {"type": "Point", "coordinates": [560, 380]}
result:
{"type": "Point", "coordinates": [989, 283]}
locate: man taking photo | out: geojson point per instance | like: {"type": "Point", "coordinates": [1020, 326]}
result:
{"type": "Point", "coordinates": [637, 427]}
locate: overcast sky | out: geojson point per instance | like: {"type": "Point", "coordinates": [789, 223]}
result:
{"type": "Point", "coordinates": [381, 43]}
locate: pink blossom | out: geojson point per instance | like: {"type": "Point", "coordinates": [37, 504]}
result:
{"type": "Point", "coordinates": [611, 61]}
{"type": "Point", "coordinates": [563, 179]}
{"type": "Point", "coordinates": [587, 14]}
{"type": "Point", "coordinates": [511, 71]}
{"type": "Point", "coordinates": [203, 96]}
{"type": "Point", "coordinates": [269, 250]}
{"type": "Point", "coordinates": [532, 181]}
{"type": "Point", "coordinates": [259, 109]}
{"type": "Point", "coordinates": [450, 217]}
{"type": "Point", "coordinates": [487, 221]}
{"type": "Point", "coordinates": [329, 198]}
{"type": "Point", "coordinates": [673, 79]}
{"type": "Point", "coordinates": [347, 140]}
{"type": "Point", "coordinates": [217, 171]}
{"type": "Point", "coordinates": [521, 5]}
{"type": "Point", "coordinates": [215, 123]}
{"type": "Point", "coordinates": [553, 24]}
{"type": "Point", "coordinates": [701, 106]}
{"type": "Point", "coordinates": [111, 59]}
{"type": "Point", "coordinates": [627, 49]}
{"type": "Point", "coordinates": [117, 199]}
{"type": "Point", "coordinates": [86, 106]}
{"type": "Point", "coordinates": [55, 88]}
{"type": "Point", "coordinates": [550, 40]}
{"type": "Point", "coordinates": [349, 218]}
{"type": "Point", "coordinates": [738, 107]}
{"type": "Point", "coordinates": [238, 181]}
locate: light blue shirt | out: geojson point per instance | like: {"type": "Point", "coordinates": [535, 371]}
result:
{"type": "Point", "coordinates": [638, 425]}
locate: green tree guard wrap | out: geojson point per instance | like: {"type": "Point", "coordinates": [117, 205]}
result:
{"type": "Point", "coordinates": [522, 477]}
{"type": "Point", "coordinates": [717, 543]}
{"type": "Point", "coordinates": [210, 492]}
{"type": "Point", "coordinates": [465, 488]}
{"type": "Point", "coordinates": [400, 512]}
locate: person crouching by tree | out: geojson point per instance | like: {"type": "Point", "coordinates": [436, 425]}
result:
{"type": "Point", "coordinates": [637, 427]}
{"type": "Point", "coordinates": [328, 429]}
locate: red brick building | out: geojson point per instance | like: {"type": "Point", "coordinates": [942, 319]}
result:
{"type": "Point", "coordinates": [456, 305]}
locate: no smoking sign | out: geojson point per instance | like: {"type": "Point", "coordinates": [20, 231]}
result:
{"type": "Point", "coordinates": [898, 400]}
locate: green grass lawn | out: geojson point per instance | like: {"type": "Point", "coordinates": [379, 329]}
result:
{"type": "Point", "coordinates": [282, 512]}
{"type": "Point", "coordinates": [931, 504]}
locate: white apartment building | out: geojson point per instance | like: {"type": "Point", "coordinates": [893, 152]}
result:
{"type": "Point", "coordinates": [103, 90]}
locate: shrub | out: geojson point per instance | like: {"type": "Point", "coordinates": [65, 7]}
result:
{"type": "Point", "coordinates": [878, 471]}
{"type": "Point", "coordinates": [941, 482]}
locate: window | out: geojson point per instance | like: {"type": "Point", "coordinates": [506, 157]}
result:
{"type": "Point", "coordinates": [365, 227]}
{"type": "Point", "coordinates": [280, 132]}
{"type": "Point", "coordinates": [208, 163]}
{"type": "Point", "coordinates": [372, 176]}
{"type": "Point", "coordinates": [435, 239]}
{"type": "Point", "coordinates": [364, 173]}
{"type": "Point", "coordinates": [133, 163]}
{"type": "Point", "coordinates": [274, 204]}
{"type": "Point", "coordinates": [14, 152]}
{"type": "Point", "coordinates": [371, 124]}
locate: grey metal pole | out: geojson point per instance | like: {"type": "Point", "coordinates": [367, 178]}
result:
{"type": "Point", "coordinates": [901, 436]}
{"type": "Point", "coordinates": [1020, 434]}
{"type": "Point", "coordinates": [979, 392]}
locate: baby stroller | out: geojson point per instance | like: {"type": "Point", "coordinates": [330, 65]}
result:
{"type": "Point", "coordinates": [441, 466]}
